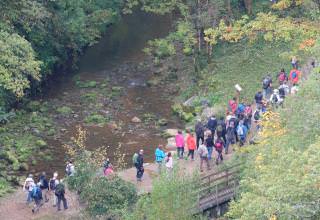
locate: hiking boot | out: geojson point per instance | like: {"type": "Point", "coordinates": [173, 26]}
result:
{"type": "Point", "coordinates": [33, 211]}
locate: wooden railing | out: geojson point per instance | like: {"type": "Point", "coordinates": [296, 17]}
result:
{"type": "Point", "coordinates": [218, 187]}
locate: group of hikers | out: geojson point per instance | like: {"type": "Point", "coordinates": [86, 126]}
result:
{"type": "Point", "coordinates": [221, 134]}
{"type": "Point", "coordinates": [39, 192]}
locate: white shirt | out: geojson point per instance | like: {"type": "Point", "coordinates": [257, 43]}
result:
{"type": "Point", "coordinates": [169, 162]}
{"type": "Point", "coordinates": [28, 184]}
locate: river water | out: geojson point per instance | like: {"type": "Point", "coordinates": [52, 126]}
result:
{"type": "Point", "coordinates": [116, 60]}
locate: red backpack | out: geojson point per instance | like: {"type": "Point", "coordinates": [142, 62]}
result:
{"type": "Point", "coordinates": [218, 146]}
{"type": "Point", "coordinates": [282, 77]}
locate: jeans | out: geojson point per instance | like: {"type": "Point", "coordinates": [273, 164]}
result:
{"type": "Point", "coordinates": [64, 201]}
{"type": "Point", "coordinates": [210, 149]}
{"type": "Point", "coordinates": [180, 151]}
{"type": "Point", "coordinates": [198, 140]}
{"type": "Point", "coordinates": [191, 152]}
{"type": "Point", "coordinates": [159, 166]}
{"type": "Point", "coordinates": [29, 197]}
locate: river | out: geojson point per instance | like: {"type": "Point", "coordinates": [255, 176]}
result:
{"type": "Point", "coordinates": [116, 61]}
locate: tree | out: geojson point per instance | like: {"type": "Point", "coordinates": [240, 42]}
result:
{"type": "Point", "coordinates": [18, 64]}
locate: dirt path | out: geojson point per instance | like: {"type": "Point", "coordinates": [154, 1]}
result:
{"type": "Point", "coordinates": [13, 207]}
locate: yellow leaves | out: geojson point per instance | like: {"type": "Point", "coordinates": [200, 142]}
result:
{"type": "Point", "coordinates": [259, 161]}
{"type": "Point", "coordinates": [284, 4]}
{"type": "Point", "coordinates": [273, 217]}
{"type": "Point", "coordinates": [211, 35]}
{"type": "Point", "coordinates": [272, 127]}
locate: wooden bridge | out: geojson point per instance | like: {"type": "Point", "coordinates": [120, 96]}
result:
{"type": "Point", "coordinates": [218, 188]}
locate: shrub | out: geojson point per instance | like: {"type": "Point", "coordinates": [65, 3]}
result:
{"type": "Point", "coordinates": [95, 118]}
{"type": "Point", "coordinates": [65, 110]}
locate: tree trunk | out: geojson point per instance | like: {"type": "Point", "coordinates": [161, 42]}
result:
{"type": "Point", "coordinates": [248, 5]}
{"type": "Point", "coordinates": [229, 9]}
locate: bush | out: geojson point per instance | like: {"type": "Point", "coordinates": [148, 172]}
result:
{"type": "Point", "coordinates": [174, 196]}
{"type": "Point", "coordinates": [65, 110]}
{"type": "Point", "coordinates": [95, 118]}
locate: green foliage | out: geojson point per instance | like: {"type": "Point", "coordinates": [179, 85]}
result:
{"type": "Point", "coordinates": [281, 177]}
{"type": "Point", "coordinates": [5, 187]}
{"type": "Point", "coordinates": [160, 48]}
{"type": "Point", "coordinates": [64, 110]}
{"type": "Point", "coordinates": [95, 118]}
{"type": "Point", "coordinates": [174, 196]}
{"type": "Point", "coordinates": [17, 64]}
{"type": "Point", "coordinates": [86, 84]}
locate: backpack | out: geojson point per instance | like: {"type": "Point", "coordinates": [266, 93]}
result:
{"type": "Point", "coordinates": [265, 83]}
{"type": "Point", "coordinates": [275, 99]}
{"type": "Point", "coordinates": [294, 75]}
{"type": "Point", "coordinates": [219, 128]}
{"type": "Point", "coordinates": [241, 108]}
{"type": "Point", "coordinates": [218, 145]}
{"type": "Point", "coordinates": [282, 77]}
{"type": "Point", "coordinates": [135, 158]}
{"type": "Point", "coordinates": [248, 111]}
{"type": "Point", "coordinates": [35, 192]}
{"type": "Point", "coordinates": [59, 189]}
{"type": "Point", "coordinates": [256, 115]}
{"type": "Point", "coordinates": [43, 183]}
{"type": "Point", "coordinates": [52, 184]}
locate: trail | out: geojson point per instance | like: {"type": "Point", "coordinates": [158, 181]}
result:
{"type": "Point", "coordinates": [14, 207]}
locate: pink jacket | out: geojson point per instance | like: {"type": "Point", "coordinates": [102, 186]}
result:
{"type": "Point", "coordinates": [179, 140]}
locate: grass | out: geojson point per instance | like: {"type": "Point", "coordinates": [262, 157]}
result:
{"type": "Point", "coordinates": [241, 64]}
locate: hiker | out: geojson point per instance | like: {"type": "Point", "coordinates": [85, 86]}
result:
{"type": "Point", "coordinates": [282, 77]}
{"type": "Point", "coordinates": [160, 155]}
{"type": "Point", "coordinates": [60, 193]}
{"type": "Point", "coordinates": [139, 165]}
{"type": "Point", "coordinates": [106, 164]}
{"type": "Point", "coordinates": [230, 135]}
{"type": "Point", "coordinates": [267, 85]}
{"type": "Point", "coordinates": [199, 129]}
{"type": "Point", "coordinates": [248, 116]}
{"type": "Point", "coordinates": [219, 145]}
{"type": "Point", "coordinates": [44, 186]}
{"type": "Point", "coordinates": [233, 105]}
{"type": "Point", "coordinates": [180, 144]}
{"type": "Point", "coordinates": [221, 129]}
{"type": "Point", "coordinates": [242, 133]}
{"type": "Point", "coordinates": [37, 197]}
{"type": "Point", "coordinates": [191, 144]}
{"type": "Point", "coordinates": [294, 76]}
{"type": "Point", "coordinates": [52, 186]}
{"type": "Point", "coordinates": [209, 144]}
{"type": "Point", "coordinates": [212, 124]}
{"type": "Point", "coordinates": [108, 171]}
{"type": "Point", "coordinates": [203, 153]}
{"type": "Point", "coordinates": [283, 90]}
{"type": "Point", "coordinates": [258, 98]}
{"type": "Point", "coordinates": [70, 170]}
{"type": "Point", "coordinates": [275, 99]}
{"type": "Point", "coordinates": [169, 162]}
{"type": "Point", "coordinates": [294, 89]}
{"type": "Point", "coordinates": [27, 186]}
{"type": "Point", "coordinates": [240, 110]}
{"type": "Point", "coordinates": [294, 62]}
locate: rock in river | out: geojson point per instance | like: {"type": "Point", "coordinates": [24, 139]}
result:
{"type": "Point", "coordinates": [136, 119]}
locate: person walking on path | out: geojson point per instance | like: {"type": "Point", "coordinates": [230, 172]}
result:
{"type": "Point", "coordinates": [160, 155]}
{"type": "Point", "coordinates": [169, 162]}
{"type": "Point", "coordinates": [212, 124]}
{"type": "Point", "coordinates": [267, 86]}
{"type": "Point", "coordinates": [180, 144]}
{"type": "Point", "coordinates": [221, 129]}
{"type": "Point", "coordinates": [242, 133]}
{"type": "Point", "coordinates": [258, 98]}
{"type": "Point", "coordinates": [219, 145]}
{"type": "Point", "coordinates": [248, 116]}
{"type": "Point", "coordinates": [53, 182]}
{"type": "Point", "coordinates": [70, 170]}
{"type": "Point", "coordinates": [233, 105]}
{"type": "Point", "coordinates": [37, 197]}
{"type": "Point", "coordinates": [294, 77]}
{"type": "Point", "coordinates": [203, 153]}
{"type": "Point", "coordinates": [27, 186]}
{"type": "Point", "coordinates": [60, 193]}
{"type": "Point", "coordinates": [44, 186]}
{"type": "Point", "coordinates": [294, 62]}
{"type": "Point", "coordinates": [230, 136]}
{"type": "Point", "coordinates": [209, 144]}
{"type": "Point", "coordinates": [199, 129]}
{"type": "Point", "coordinates": [139, 165]}
{"type": "Point", "coordinates": [282, 77]}
{"type": "Point", "coordinates": [191, 144]}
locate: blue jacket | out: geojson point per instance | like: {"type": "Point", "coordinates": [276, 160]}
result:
{"type": "Point", "coordinates": [160, 155]}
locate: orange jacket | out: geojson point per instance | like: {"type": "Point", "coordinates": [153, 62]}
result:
{"type": "Point", "coordinates": [191, 142]}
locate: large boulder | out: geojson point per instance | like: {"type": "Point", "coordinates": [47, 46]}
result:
{"type": "Point", "coordinates": [170, 132]}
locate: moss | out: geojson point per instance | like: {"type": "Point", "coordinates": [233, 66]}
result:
{"type": "Point", "coordinates": [33, 106]}
{"type": "Point", "coordinates": [51, 132]}
{"type": "Point", "coordinates": [65, 110]}
{"type": "Point", "coordinates": [95, 118]}
{"type": "Point", "coordinates": [41, 144]}
{"type": "Point", "coordinates": [90, 97]}
{"type": "Point", "coordinates": [86, 84]}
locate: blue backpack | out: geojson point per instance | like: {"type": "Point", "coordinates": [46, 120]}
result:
{"type": "Point", "coordinates": [294, 75]}
{"type": "Point", "coordinates": [241, 108]}
{"type": "Point", "coordinates": [36, 192]}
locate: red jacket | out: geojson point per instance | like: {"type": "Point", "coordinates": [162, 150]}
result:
{"type": "Point", "coordinates": [293, 79]}
{"type": "Point", "coordinates": [191, 142]}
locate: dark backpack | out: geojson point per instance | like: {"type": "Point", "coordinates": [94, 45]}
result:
{"type": "Point", "coordinates": [275, 99]}
{"type": "Point", "coordinates": [36, 192]}
{"type": "Point", "coordinates": [59, 189]}
{"type": "Point", "coordinates": [43, 183]}
{"type": "Point", "coordinates": [52, 184]}
{"type": "Point", "coordinates": [256, 115]}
